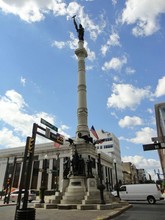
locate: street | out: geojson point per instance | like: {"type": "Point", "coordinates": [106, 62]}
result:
{"type": "Point", "coordinates": [143, 210]}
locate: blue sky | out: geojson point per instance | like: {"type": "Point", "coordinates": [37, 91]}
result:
{"type": "Point", "coordinates": [124, 69]}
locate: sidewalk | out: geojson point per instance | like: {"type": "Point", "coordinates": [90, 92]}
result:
{"type": "Point", "coordinates": [71, 214]}
{"type": "Point", "coordinates": [74, 214]}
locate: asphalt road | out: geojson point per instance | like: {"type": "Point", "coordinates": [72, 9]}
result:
{"type": "Point", "coordinates": [144, 211]}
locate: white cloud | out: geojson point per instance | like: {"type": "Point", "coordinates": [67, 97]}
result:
{"type": "Point", "coordinates": [89, 67]}
{"type": "Point", "coordinates": [160, 89]}
{"type": "Point", "coordinates": [59, 44]}
{"type": "Point", "coordinates": [36, 10]}
{"type": "Point", "coordinates": [128, 121]}
{"type": "Point", "coordinates": [13, 115]}
{"type": "Point", "coordinates": [27, 11]}
{"type": "Point", "coordinates": [72, 44]}
{"type": "Point", "coordinates": [149, 110]}
{"type": "Point", "coordinates": [7, 138]}
{"type": "Point", "coordinates": [112, 41]}
{"type": "Point", "coordinates": [114, 114]}
{"type": "Point", "coordinates": [114, 2]}
{"type": "Point", "coordinates": [127, 96]}
{"type": "Point", "coordinates": [23, 81]}
{"type": "Point", "coordinates": [144, 14]}
{"type": "Point", "coordinates": [129, 71]}
{"type": "Point", "coordinates": [115, 63]}
{"type": "Point", "coordinates": [141, 137]}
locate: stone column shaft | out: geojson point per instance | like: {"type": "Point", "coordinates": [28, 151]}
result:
{"type": "Point", "coordinates": [82, 111]}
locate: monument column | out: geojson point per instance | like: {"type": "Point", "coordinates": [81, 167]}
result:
{"type": "Point", "coordinates": [82, 111]}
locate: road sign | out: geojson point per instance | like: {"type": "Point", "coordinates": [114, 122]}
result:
{"type": "Point", "coordinates": [56, 138]}
{"type": "Point", "coordinates": [43, 121]}
{"type": "Point", "coordinates": [155, 146]}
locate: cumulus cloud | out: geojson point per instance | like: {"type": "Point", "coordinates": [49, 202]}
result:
{"type": "Point", "coordinates": [115, 63]}
{"type": "Point", "coordinates": [128, 121]}
{"type": "Point", "coordinates": [141, 137]}
{"type": "Point", "coordinates": [160, 89]}
{"type": "Point", "coordinates": [114, 40]}
{"type": "Point", "coordinates": [13, 114]}
{"type": "Point", "coordinates": [9, 139]}
{"type": "Point", "coordinates": [127, 96]}
{"type": "Point", "coordinates": [36, 10]}
{"type": "Point", "coordinates": [144, 15]}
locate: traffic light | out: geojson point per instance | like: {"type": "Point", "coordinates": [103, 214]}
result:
{"type": "Point", "coordinates": [8, 181]}
{"type": "Point", "coordinates": [30, 144]}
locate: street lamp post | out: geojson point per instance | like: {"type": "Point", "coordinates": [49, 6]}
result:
{"type": "Point", "coordinates": [117, 183]}
{"type": "Point", "coordinates": [43, 181]}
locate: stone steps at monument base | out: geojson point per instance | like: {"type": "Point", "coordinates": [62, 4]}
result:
{"type": "Point", "coordinates": [75, 194]}
{"type": "Point", "coordinates": [73, 197]}
{"type": "Point", "coordinates": [72, 190]}
{"type": "Point", "coordinates": [71, 201]}
{"type": "Point", "coordinates": [91, 201]}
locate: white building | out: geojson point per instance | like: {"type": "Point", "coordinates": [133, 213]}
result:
{"type": "Point", "coordinates": [111, 147]}
{"type": "Point", "coordinates": [11, 162]}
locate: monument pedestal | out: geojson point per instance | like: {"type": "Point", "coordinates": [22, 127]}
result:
{"type": "Point", "coordinates": [76, 190]}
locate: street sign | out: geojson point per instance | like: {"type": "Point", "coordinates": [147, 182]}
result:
{"type": "Point", "coordinates": [43, 121]}
{"type": "Point", "coordinates": [155, 146]}
{"type": "Point", "coordinates": [56, 138]}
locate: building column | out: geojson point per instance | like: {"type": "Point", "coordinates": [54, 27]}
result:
{"type": "Point", "coordinates": [50, 174]}
{"type": "Point", "coordinates": [39, 174]}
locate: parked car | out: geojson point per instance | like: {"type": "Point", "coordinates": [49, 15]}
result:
{"type": "Point", "coordinates": [140, 192]}
{"type": "Point", "coordinates": [14, 195]}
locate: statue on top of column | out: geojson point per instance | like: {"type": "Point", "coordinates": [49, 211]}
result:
{"type": "Point", "coordinates": [80, 29]}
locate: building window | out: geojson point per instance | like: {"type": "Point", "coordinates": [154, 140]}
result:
{"type": "Point", "coordinates": [108, 146]}
{"type": "Point", "coordinates": [108, 139]}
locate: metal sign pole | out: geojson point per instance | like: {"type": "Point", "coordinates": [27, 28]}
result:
{"type": "Point", "coordinates": [22, 178]}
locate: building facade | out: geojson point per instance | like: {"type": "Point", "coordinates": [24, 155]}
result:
{"type": "Point", "coordinates": [11, 162]}
{"type": "Point", "coordinates": [160, 123]}
{"type": "Point", "coordinates": [111, 147]}
{"type": "Point", "coordinates": [130, 174]}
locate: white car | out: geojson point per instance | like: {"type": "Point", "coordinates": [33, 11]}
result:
{"type": "Point", "coordinates": [14, 195]}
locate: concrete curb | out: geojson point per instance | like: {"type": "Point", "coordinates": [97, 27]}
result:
{"type": "Point", "coordinates": [114, 213]}
{"type": "Point", "coordinates": [2, 205]}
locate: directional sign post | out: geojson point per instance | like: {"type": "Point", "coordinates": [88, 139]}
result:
{"type": "Point", "coordinates": [155, 146]}
{"type": "Point", "coordinates": [43, 121]}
